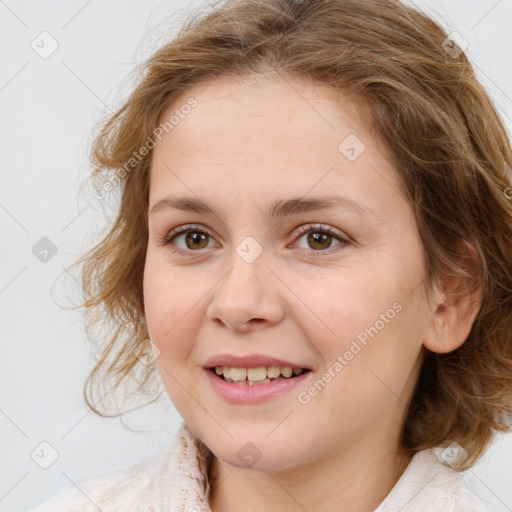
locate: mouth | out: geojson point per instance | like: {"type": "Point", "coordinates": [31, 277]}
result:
{"type": "Point", "coordinates": [256, 376]}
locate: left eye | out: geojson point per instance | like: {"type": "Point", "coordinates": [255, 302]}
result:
{"type": "Point", "coordinates": [319, 238]}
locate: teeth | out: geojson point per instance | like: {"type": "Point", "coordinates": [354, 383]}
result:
{"type": "Point", "coordinates": [255, 375]}
{"type": "Point", "coordinates": [252, 382]}
{"type": "Point", "coordinates": [237, 373]}
{"type": "Point", "coordinates": [273, 372]}
{"type": "Point", "coordinates": [286, 372]}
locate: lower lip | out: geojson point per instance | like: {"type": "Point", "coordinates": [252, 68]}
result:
{"type": "Point", "coordinates": [243, 393]}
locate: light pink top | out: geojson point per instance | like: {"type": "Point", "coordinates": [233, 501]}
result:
{"type": "Point", "coordinates": [175, 481]}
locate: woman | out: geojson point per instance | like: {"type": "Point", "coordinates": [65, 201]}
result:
{"type": "Point", "coordinates": [313, 253]}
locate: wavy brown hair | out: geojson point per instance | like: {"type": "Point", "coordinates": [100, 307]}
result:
{"type": "Point", "coordinates": [440, 129]}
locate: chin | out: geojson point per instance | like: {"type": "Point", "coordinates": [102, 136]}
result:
{"type": "Point", "coordinates": [261, 453]}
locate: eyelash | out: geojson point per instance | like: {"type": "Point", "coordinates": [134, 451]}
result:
{"type": "Point", "coordinates": [317, 228]}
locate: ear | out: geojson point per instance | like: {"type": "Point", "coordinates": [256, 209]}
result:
{"type": "Point", "coordinates": [456, 305]}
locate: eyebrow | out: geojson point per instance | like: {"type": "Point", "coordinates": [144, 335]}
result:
{"type": "Point", "coordinates": [277, 209]}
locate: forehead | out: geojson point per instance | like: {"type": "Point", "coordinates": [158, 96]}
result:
{"type": "Point", "coordinates": [279, 135]}
{"type": "Point", "coordinates": [270, 112]}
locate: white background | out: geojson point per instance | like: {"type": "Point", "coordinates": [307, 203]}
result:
{"type": "Point", "coordinates": [48, 107]}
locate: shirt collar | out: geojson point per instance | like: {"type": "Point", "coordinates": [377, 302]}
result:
{"type": "Point", "coordinates": [425, 480]}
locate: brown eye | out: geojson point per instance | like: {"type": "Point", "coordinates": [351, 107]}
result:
{"type": "Point", "coordinates": [319, 238]}
{"type": "Point", "coordinates": [194, 239]}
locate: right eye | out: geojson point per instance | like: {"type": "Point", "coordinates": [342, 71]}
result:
{"type": "Point", "coordinates": [193, 236]}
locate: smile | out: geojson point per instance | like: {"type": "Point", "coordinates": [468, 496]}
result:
{"type": "Point", "coordinates": [258, 384]}
{"type": "Point", "coordinates": [253, 376]}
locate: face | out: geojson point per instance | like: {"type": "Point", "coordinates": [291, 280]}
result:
{"type": "Point", "coordinates": [335, 290]}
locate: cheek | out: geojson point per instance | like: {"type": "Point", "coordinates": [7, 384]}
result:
{"type": "Point", "coordinates": [165, 295]}
{"type": "Point", "coordinates": [367, 326]}
{"type": "Point", "coordinates": [172, 316]}
{"type": "Point", "coordinates": [378, 355]}
{"type": "Point", "coordinates": [344, 308]}
{"type": "Point", "coordinates": [158, 301]}
{"type": "Point", "coordinates": [175, 308]}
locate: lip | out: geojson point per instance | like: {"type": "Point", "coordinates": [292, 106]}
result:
{"type": "Point", "coordinates": [245, 394]}
{"type": "Point", "coordinates": [249, 361]}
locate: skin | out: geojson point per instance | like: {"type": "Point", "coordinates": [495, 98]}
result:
{"type": "Point", "coordinates": [247, 143]}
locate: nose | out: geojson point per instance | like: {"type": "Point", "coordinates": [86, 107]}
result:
{"type": "Point", "coordinates": [246, 298]}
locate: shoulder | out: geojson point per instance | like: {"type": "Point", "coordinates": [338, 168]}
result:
{"type": "Point", "coordinates": [428, 485]}
{"type": "Point", "coordinates": [107, 492]}
{"type": "Point", "coordinates": [132, 488]}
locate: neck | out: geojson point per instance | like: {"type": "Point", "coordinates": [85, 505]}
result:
{"type": "Point", "coordinates": [355, 481]}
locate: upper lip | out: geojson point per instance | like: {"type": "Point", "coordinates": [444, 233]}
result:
{"type": "Point", "coordinates": [250, 361]}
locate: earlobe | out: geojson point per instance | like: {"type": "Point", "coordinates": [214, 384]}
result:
{"type": "Point", "coordinates": [457, 307]}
